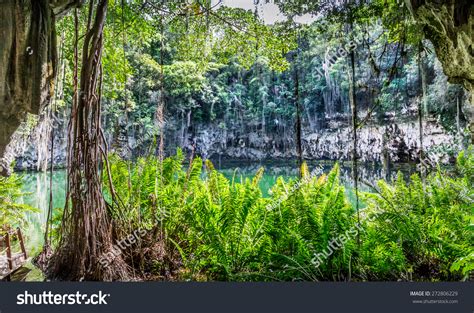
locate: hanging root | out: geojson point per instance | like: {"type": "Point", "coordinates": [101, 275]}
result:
{"type": "Point", "coordinates": [86, 242]}
{"type": "Point", "coordinates": [42, 259]}
{"type": "Point", "coordinates": [86, 234]}
{"type": "Point", "coordinates": [86, 237]}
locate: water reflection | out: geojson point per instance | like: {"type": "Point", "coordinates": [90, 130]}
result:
{"type": "Point", "coordinates": [370, 173]}
{"type": "Point", "coordinates": [37, 187]}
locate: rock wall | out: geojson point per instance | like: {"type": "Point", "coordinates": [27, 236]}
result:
{"type": "Point", "coordinates": [449, 25]}
{"type": "Point", "coordinates": [396, 142]}
{"type": "Point", "coordinates": [31, 149]}
{"type": "Point", "coordinates": [27, 62]}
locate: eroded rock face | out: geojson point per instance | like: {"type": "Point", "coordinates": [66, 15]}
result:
{"type": "Point", "coordinates": [393, 142]}
{"type": "Point", "coordinates": [27, 62]}
{"type": "Point", "coordinates": [396, 142]}
{"type": "Point", "coordinates": [449, 26]}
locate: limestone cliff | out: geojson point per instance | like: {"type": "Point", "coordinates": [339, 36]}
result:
{"type": "Point", "coordinates": [449, 26]}
{"type": "Point", "coordinates": [27, 61]}
{"type": "Point", "coordinates": [393, 142]}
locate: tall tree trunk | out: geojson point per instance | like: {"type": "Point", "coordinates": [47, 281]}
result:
{"type": "Point", "coordinates": [421, 103]}
{"type": "Point", "coordinates": [161, 105]}
{"type": "Point", "coordinates": [354, 122]}
{"type": "Point", "coordinates": [86, 230]}
{"type": "Point", "coordinates": [299, 146]}
{"type": "Point", "coordinates": [458, 115]}
{"type": "Point", "coordinates": [160, 123]}
{"type": "Point", "coordinates": [353, 102]}
{"type": "Point", "coordinates": [53, 108]}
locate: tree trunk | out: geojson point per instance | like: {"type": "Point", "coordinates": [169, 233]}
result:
{"type": "Point", "coordinates": [86, 231]}
{"type": "Point", "coordinates": [422, 102]}
{"type": "Point", "coordinates": [355, 125]}
{"type": "Point", "coordinates": [160, 118]}
{"type": "Point", "coordinates": [299, 146]}
{"type": "Point", "coordinates": [353, 103]}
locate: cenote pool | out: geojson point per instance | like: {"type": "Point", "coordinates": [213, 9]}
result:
{"type": "Point", "coordinates": [36, 185]}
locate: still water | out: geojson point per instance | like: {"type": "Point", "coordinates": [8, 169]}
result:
{"type": "Point", "coordinates": [37, 187]}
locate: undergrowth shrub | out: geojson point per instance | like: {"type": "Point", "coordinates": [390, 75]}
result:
{"type": "Point", "coordinates": [419, 229]}
{"type": "Point", "coordinates": [305, 224]}
{"type": "Point", "coordinates": [202, 226]}
{"type": "Point", "coordinates": [12, 211]}
{"type": "Point", "coordinates": [222, 229]}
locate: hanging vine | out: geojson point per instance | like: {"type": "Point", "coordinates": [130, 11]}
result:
{"type": "Point", "coordinates": [86, 232]}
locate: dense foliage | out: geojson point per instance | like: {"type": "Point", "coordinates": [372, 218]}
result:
{"type": "Point", "coordinates": [208, 227]}
{"type": "Point", "coordinates": [421, 228]}
{"type": "Point", "coordinates": [12, 211]}
{"type": "Point", "coordinates": [225, 68]}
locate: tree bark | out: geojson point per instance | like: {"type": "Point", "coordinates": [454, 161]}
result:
{"type": "Point", "coordinates": [86, 231]}
{"type": "Point", "coordinates": [299, 145]}
{"type": "Point", "coordinates": [354, 122]}
{"type": "Point", "coordinates": [422, 103]}
{"type": "Point", "coordinates": [353, 103]}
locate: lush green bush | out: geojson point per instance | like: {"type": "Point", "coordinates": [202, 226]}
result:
{"type": "Point", "coordinates": [204, 226]}
{"type": "Point", "coordinates": [224, 229]}
{"type": "Point", "coordinates": [305, 223]}
{"type": "Point", "coordinates": [419, 229]}
{"type": "Point", "coordinates": [12, 212]}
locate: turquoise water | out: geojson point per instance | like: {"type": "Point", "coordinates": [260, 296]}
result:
{"type": "Point", "coordinates": [368, 173]}
{"type": "Point", "coordinates": [36, 185]}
